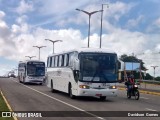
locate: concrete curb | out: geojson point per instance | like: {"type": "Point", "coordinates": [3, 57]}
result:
{"type": "Point", "coordinates": [143, 91]}
{"type": "Point", "coordinates": [9, 107]}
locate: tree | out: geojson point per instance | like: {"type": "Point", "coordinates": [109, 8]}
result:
{"type": "Point", "coordinates": [157, 78]}
{"type": "Point", "coordinates": [148, 76]}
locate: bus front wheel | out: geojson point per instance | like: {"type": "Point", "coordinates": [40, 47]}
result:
{"type": "Point", "coordinates": [52, 89]}
{"type": "Point", "coordinates": [70, 92]}
{"type": "Point", "coordinates": [103, 98]}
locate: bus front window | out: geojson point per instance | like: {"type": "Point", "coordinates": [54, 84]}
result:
{"type": "Point", "coordinates": [98, 67]}
{"type": "Point", "coordinates": [35, 69]}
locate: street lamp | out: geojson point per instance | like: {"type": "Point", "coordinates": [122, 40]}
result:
{"type": "Point", "coordinates": [53, 41]}
{"type": "Point", "coordinates": [30, 57]}
{"type": "Point", "coordinates": [154, 67]}
{"type": "Point", "coordinates": [39, 47]}
{"type": "Point", "coordinates": [101, 24]}
{"type": "Point", "coordinates": [89, 13]}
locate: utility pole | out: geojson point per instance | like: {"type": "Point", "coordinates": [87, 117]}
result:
{"type": "Point", "coordinates": [89, 14]}
{"type": "Point", "coordinates": [39, 47]}
{"type": "Point", "coordinates": [30, 57]}
{"type": "Point", "coordinates": [154, 67]}
{"type": "Point", "coordinates": [53, 42]}
{"type": "Point", "coordinates": [102, 25]}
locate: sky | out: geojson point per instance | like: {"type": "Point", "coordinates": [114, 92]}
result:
{"type": "Point", "coordinates": [129, 27]}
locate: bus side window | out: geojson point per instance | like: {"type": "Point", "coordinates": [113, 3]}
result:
{"type": "Point", "coordinates": [62, 60]}
{"type": "Point", "coordinates": [56, 61]}
{"type": "Point", "coordinates": [48, 62]}
{"type": "Point", "coordinates": [50, 65]}
{"type": "Point", "coordinates": [67, 59]}
{"type": "Point", "coordinates": [52, 62]}
{"type": "Point", "coordinates": [55, 64]}
{"type": "Point", "coordinates": [119, 64]}
{"type": "Point", "coordinates": [70, 59]}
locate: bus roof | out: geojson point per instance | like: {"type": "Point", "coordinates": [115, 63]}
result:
{"type": "Point", "coordinates": [79, 50]}
{"type": "Point", "coordinates": [30, 61]}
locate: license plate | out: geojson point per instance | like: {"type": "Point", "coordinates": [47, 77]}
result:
{"type": "Point", "coordinates": [98, 95]}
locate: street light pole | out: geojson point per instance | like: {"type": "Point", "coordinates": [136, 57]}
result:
{"type": "Point", "coordinates": [53, 41]}
{"type": "Point", "coordinates": [30, 57]}
{"type": "Point", "coordinates": [39, 47]}
{"type": "Point", "coordinates": [154, 67]}
{"type": "Point", "coordinates": [89, 14]}
{"type": "Point", "coordinates": [101, 25]}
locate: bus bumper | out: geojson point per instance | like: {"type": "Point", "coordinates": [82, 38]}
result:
{"type": "Point", "coordinates": [98, 92]}
{"type": "Point", "coordinates": [35, 81]}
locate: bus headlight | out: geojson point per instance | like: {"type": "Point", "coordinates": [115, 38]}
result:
{"type": "Point", "coordinates": [84, 86]}
{"type": "Point", "coordinates": [113, 87]}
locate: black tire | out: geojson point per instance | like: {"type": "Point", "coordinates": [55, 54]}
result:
{"type": "Point", "coordinates": [40, 83]}
{"type": "Point", "coordinates": [20, 80]}
{"type": "Point", "coordinates": [128, 95]}
{"type": "Point", "coordinates": [70, 92]}
{"type": "Point", "coordinates": [136, 93]}
{"type": "Point", "coordinates": [24, 81]}
{"type": "Point", "coordinates": [102, 98]}
{"type": "Point", "coordinates": [52, 89]}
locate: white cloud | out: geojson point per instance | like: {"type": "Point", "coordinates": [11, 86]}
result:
{"type": "Point", "coordinates": [3, 24]}
{"type": "Point", "coordinates": [24, 43]}
{"type": "Point", "coordinates": [4, 29]}
{"type": "Point", "coordinates": [22, 19]}
{"type": "Point", "coordinates": [22, 26]}
{"type": "Point", "coordinates": [157, 22]}
{"type": "Point", "coordinates": [59, 7]}
{"type": "Point", "coordinates": [135, 22]}
{"type": "Point", "coordinates": [155, 26]}
{"type": "Point", "coordinates": [24, 7]}
{"type": "Point", "coordinates": [118, 9]}
{"type": "Point", "coordinates": [2, 14]}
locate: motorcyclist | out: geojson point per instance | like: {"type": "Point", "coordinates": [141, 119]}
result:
{"type": "Point", "coordinates": [130, 82]}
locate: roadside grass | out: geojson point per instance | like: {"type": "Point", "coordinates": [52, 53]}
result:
{"type": "Point", "coordinates": [4, 108]}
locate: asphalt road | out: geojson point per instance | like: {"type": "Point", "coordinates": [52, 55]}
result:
{"type": "Point", "coordinates": [39, 98]}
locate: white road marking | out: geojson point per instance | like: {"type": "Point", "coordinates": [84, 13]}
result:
{"type": "Point", "coordinates": [144, 98]}
{"type": "Point", "coordinates": [62, 101]}
{"type": "Point", "coordinates": [151, 109]}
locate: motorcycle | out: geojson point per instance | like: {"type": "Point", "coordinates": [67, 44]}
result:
{"type": "Point", "coordinates": [133, 92]}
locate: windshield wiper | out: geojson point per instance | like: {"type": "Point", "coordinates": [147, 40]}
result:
{"type": "Point", "coordinates": [94, 76]}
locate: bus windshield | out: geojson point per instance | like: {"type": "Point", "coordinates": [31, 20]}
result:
{"type": "Point", "coordinates": [35, 68]}
{"type": "Point", "coordinates": [98, 67]}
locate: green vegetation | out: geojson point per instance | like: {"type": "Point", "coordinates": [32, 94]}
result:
{"type": "Point", "coordinates": [3, 107]}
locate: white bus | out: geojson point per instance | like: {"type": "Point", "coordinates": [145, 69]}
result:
{"type": "Point", "coordinates": [31, 71]}
{"type": "Point", "coordinates": [83, 72]}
